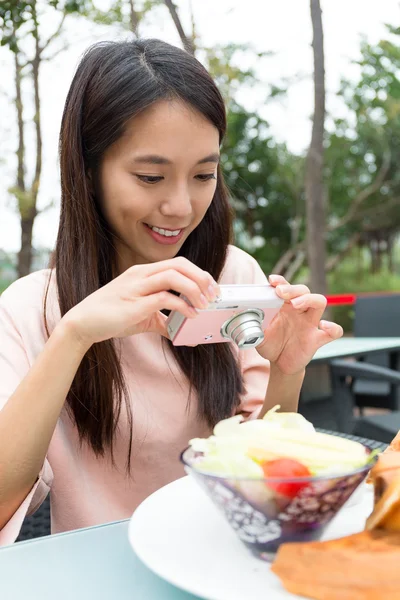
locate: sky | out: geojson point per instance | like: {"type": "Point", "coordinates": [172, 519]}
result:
{"type": "Point", "coordinates": [283, 27]}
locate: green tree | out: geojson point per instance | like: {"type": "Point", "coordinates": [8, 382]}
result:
{"type": "Point", "coordinates": [266, 185]}
{"type": "Point", "coordinates": [20, 28]}
{"type": "Point", "coordinates": [314, 184]}
{"type": "Point", "coordinates": [361, 173]}
{"type": "Point", "coordinates": [264, 178]}
{"type": "Point", "coordinates": [130, 14]}
{"type": "Point", "coordinates": [363, 159]}
{"type": "Point", "coordinates": [220, 60]}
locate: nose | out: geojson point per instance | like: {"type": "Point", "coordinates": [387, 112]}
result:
{"type": "Point", "coordinates": [178, 203]}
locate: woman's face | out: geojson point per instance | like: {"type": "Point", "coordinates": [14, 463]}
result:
{"type": "Point", "coordinates": [158, 180]}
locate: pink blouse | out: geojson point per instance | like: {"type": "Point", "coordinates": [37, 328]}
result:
{"type": "Point", "coordinates": [86, 490]}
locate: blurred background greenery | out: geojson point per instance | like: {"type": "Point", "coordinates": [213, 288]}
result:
{"type": "Point", "coordinates": [328, 214]}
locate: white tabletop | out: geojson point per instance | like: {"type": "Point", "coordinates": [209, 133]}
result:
{"type": "Point", "coordinates": [358, 346]}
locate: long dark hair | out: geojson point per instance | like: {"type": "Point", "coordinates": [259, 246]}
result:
{"type": "Point", "coordinates": [113, 83]}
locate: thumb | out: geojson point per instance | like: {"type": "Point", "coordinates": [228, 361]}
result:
{"type": "Point", "coordinates": [158, 324]}
{"type": "Point", "coordinates": [328, 332]}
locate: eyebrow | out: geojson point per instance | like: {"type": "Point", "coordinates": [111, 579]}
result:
{"type": "Point", "coordinates": [154, 159]}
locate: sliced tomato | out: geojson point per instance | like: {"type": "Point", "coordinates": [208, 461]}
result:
{"type": "Point", "coordinates": [287, 468]}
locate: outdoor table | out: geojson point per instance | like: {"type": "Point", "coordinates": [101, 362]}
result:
{"type": "Point", "coordinates": [97, 562]}
{"type": "Point", "coordinates": [317, 392]}
{"type": "Point", "coordinates": [358, 347]}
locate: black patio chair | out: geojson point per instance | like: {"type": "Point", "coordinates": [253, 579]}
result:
{"type": "Point", "coordinates": [377, 316]}
{"type": "Point", "coordinates": [327, 397]}
{"type": "Point", "coordinates": [38, 524]}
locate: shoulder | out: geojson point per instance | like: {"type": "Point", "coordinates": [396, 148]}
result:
{"type": "Point", "coordinates": [22, 306]}
{"type": "Point", "coordinates": [27, 292]}
{"type": "Point", "coordinates": [240, 267]}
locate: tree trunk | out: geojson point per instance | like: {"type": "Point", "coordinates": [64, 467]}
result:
{"type": "Point", "coordinates": [334, 261]}
{"type": "Point", "coordinates": [21, 125]}
{"type": "Point", "coordinates": [27, 205]}
{"type": "Point", "coordinates": [315, 209]}
{"type": "Point", "coordinates": [37, 118]}
{"type": "Point", "coordinates": [193, 22]}
{"type": "Point", "coordinates": [359, 260]}
{"type": "Point", "coordinates": [25, 253]}
{"type": "Point", "coordinates": [390, 253]}
{"type": "Point", "coordinates": [134, 17]}
{"type": "Point", "coordinates": [374, 256]}
{"type": "Point", "coordinates": [186, 41]}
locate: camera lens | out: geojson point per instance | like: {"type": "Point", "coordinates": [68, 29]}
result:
{"type": "Point", "coordinates": [245, 328]}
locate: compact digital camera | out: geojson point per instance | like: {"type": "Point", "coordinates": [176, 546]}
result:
{"type": "Point", "coordinates": [240, 315]}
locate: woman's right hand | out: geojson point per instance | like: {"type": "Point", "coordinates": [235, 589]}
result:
{"type": "Point", "coordinates": [131, 303]}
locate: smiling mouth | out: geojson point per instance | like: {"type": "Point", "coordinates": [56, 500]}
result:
{"type": "Point", "coordinates": [165, 232]}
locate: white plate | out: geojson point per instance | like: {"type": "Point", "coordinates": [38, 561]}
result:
{"type": "Point", "coordinates": [180, 535]}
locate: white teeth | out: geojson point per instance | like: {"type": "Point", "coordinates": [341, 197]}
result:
{"type": "Point", "coordinates": [166, 232]}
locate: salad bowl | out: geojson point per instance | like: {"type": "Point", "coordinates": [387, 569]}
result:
{"type": "Point", "coordinates": [276, 501]}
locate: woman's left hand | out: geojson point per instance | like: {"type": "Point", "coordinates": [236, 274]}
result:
{"type": "Point", "coordinates": [296, 333]}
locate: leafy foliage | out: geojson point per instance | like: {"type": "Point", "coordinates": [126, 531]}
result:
{"type": "Point", "coordinates": [119, 12]}
{"type": "Point", "coordinates": [359, 148]}
{"type": "Point", "coordinates": [222, 62]}
{"type": "Point", "coordinates": [265, 181]}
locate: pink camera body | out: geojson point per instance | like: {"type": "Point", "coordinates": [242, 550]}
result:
{"type": "Point", "coordinates": [239, 315]}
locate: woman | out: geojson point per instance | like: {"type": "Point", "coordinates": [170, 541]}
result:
{"type": "Point", "coordinates": [96, 402]}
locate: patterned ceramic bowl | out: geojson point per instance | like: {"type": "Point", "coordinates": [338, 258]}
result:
{"type": "Point", "coordinates": [266, 513]}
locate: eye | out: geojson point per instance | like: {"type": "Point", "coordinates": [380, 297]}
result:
{"type": "Point", "coordinates": [151, 179]}
{"type": "Point", "coordinates": [205, 177]}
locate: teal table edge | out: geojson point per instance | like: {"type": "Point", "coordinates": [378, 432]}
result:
{"type": "Point", "coordinates": [85, 564]}
{"type": "Point", "coordinates": [356, 347]}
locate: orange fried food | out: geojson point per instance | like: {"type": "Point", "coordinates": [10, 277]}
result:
{"type": "Point", "coordinates": [364, 566]}
{"type": "Point", "coordinates": [394, 444]}
{"type": "Point", "coordinates": [385, 476]}
{"type": "Point", "coordinates": [385, 470]}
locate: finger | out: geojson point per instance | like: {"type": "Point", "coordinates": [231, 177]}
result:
{"type": "Point", "coordinates": [287, 291]}
{"type": "Point", "coordinates": [173, 280]}
{"type": "Point", "coordinates": [159, 324]}
{"type": "Point", "coordinates": [328, 332]}
{"type": "Point", "coordinates": [204, 280]}
{"type": "Point", "coordinates": [277, 280]}
{"type": "Point", "coordinates": [309, 301]}
{"type": "Point", "coordinates": [164, 300]}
